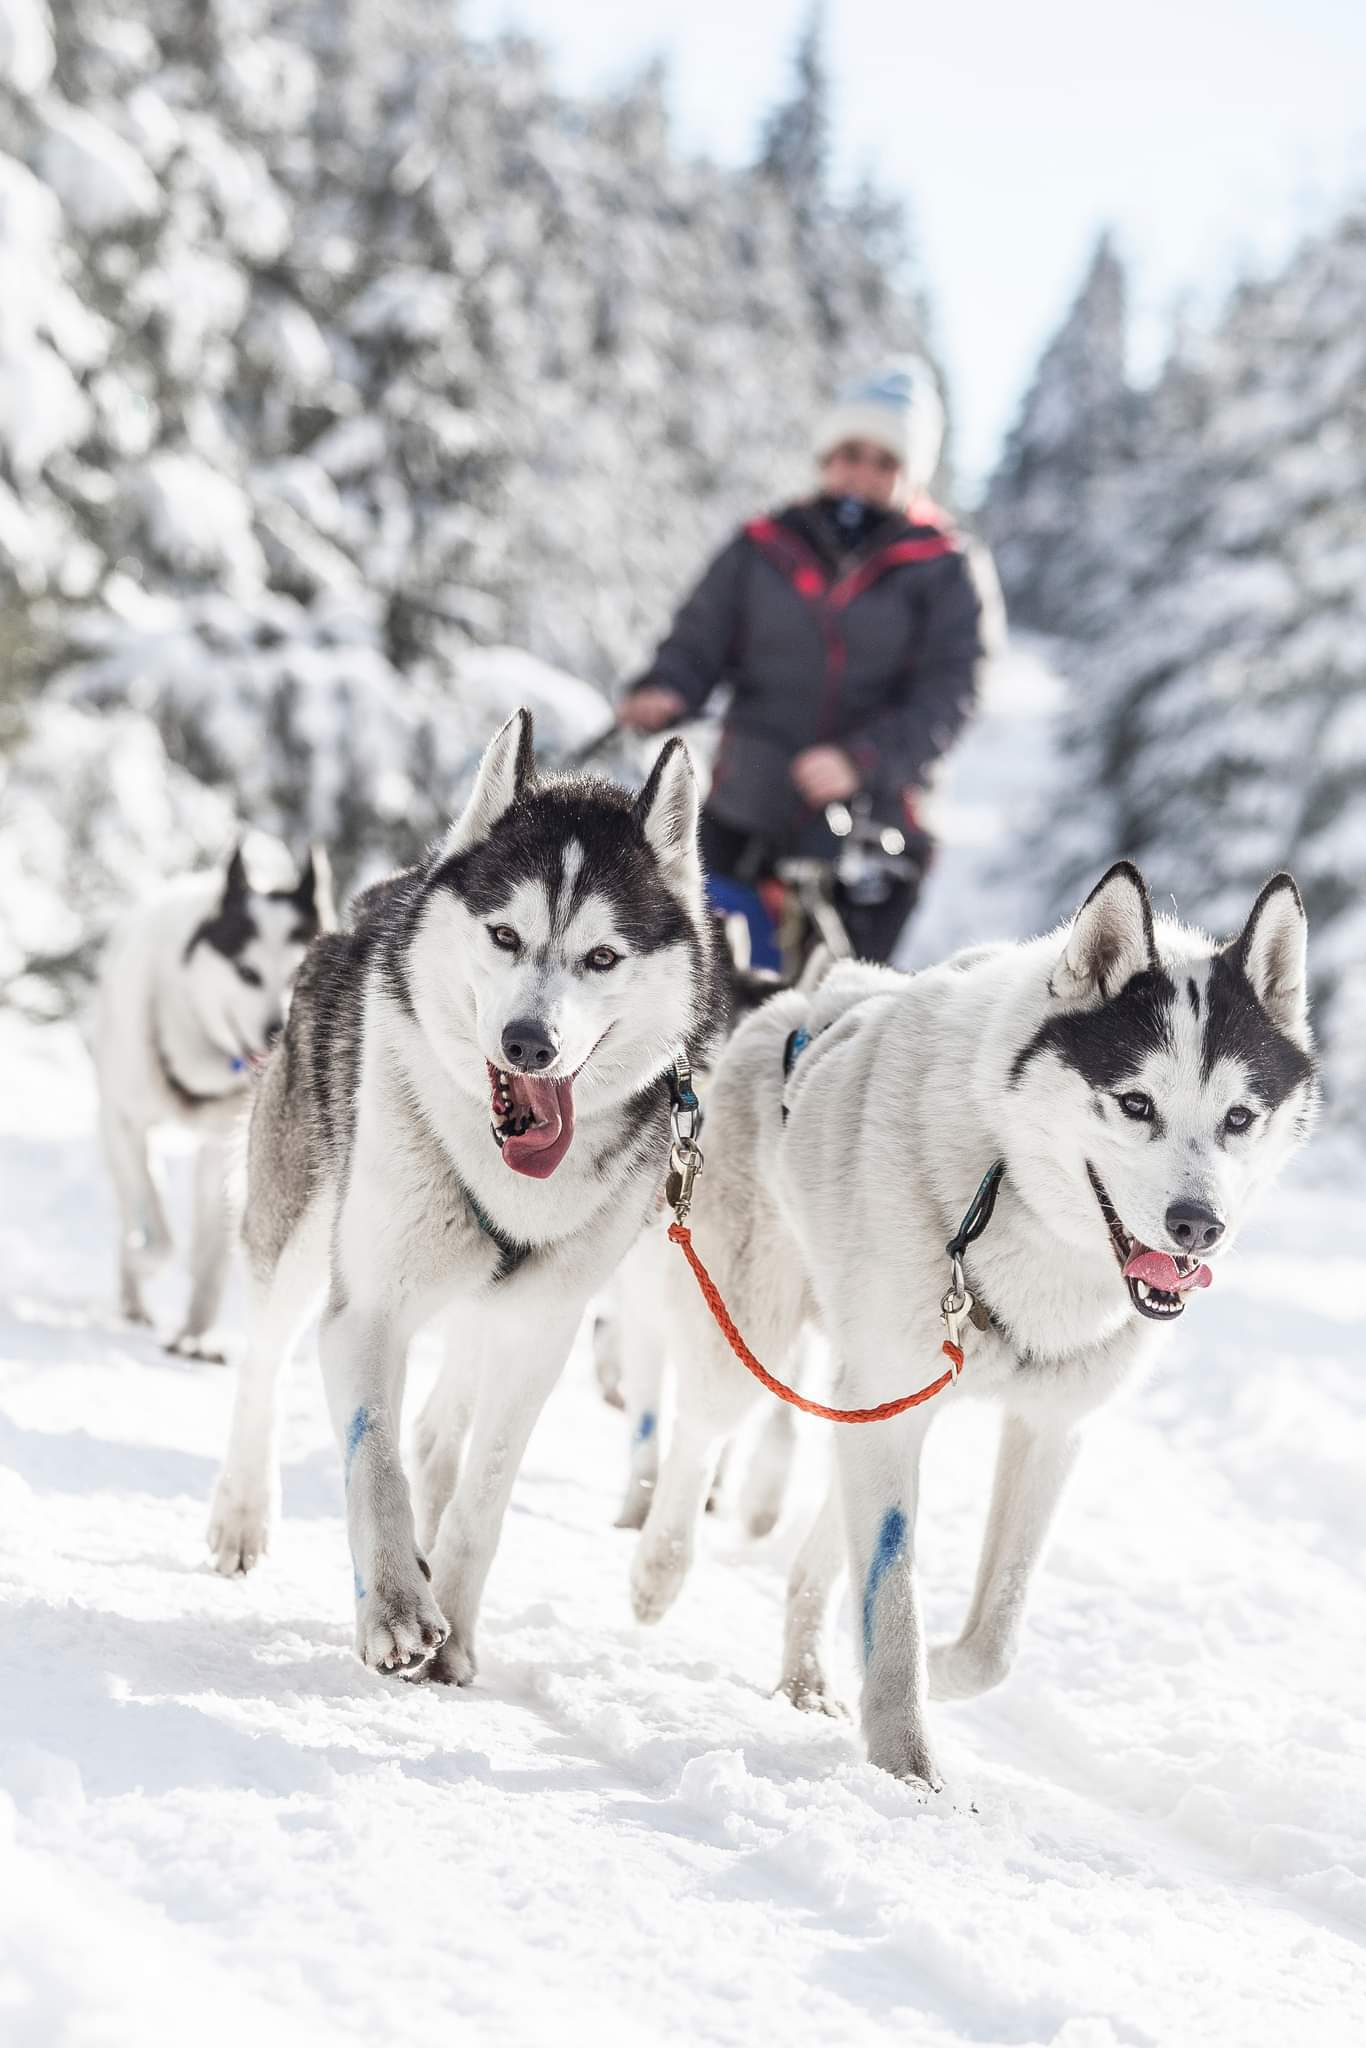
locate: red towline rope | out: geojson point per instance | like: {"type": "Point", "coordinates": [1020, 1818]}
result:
{"type": "Point", "coordinates": [680, 1235]}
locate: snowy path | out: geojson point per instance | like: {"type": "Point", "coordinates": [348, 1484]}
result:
{"type": "Point", "coordinates": [213, 1820]}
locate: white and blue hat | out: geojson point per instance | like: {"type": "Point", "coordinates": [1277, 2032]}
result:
{"type": "Point", "coordinates": [899, 409]}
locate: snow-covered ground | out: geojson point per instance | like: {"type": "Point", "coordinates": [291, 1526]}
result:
{"type": "Point", "coordinates": [216, 1826]}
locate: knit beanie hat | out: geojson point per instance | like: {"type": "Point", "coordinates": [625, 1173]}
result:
{"type": "Point", "coordinates": [899, 409]}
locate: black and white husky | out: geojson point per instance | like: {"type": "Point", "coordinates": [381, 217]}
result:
{"type": "Point", "coordinates": [192, 992]}
{"type": "Point", "coordinates": [1139, 1085]}
{"type": "Point", "coordinates": [470, 1106]}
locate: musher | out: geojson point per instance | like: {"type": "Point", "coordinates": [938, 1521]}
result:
{"type": "Point", "coordinates": [851, 635]}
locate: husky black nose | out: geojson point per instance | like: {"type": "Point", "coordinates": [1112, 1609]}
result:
{"type": "Point", "coordinates": [528, 1045]}
{"type": "Point", "coordinates": [273, 1029]}
{"type": "Point", "coordinates": [1194, 1227]}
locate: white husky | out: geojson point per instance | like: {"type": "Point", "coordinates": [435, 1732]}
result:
{"type": "Point", "coordinates": [192, 992]}
{"type": "Point", "coordinates": [1138, 1084]}
{"type": "Point", "coordinates": [470, 1107]}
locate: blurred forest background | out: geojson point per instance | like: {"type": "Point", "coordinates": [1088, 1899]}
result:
{"type": "Point", "coordinates": [355, 381]}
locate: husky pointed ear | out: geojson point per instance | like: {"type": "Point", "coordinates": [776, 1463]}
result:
{"type": "Point", "coordinates": [1272, 951]}
{"type": "Point", "coordinates": [1111, 939]}
{"type": "Point", "coordinates": [666, 811]}
{"type": "Point", "coordinates": [313, 892]}
{"type": "Point", "coordinates": [235, 883]}
{"type": "Point", "coordinates": [505, 773]}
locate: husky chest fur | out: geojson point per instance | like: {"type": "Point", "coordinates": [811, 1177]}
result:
{"type": "Point", "coordinates": [470, 1107]}
{"type": "Point", "coordinates": [1139, 1085]}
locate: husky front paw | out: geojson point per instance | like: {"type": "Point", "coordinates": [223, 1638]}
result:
{"type": "Point", "coordinates": [810, 1694]}
{"type": "Point", "coordinates": [198, 1344]}
{"type": "Point", "coordinates": [657, 1575]}
{"type": "Point", "coordinates": [901, 1752]}
{"type": "Point", "coordinates": [239, 1528]}
{"type": "Point", "coordinates": [453, 1664]}
{"type": "Point", "coordinates": [398, 1624]}
{"type": "Point", "coordinates": [960, 1671]}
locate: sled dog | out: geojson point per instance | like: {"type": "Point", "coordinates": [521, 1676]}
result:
{"type": "Point", "coordinates": [192, 991]}
{"type": "Point", "coordinates": [1138, 1084]}
{"type": "Point", "coordinates": [469, 1112]}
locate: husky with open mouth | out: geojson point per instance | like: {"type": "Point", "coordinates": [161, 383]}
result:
{"type": "Point", "coordinates": [1101, 1106]}
{"type": "Point", "coordinates": [469, 1113]}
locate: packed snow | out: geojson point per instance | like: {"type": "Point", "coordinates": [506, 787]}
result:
{"type": "Point", "coordinates": [215, 1822]}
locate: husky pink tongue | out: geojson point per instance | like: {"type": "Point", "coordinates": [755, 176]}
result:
{"type": "Point", "coordinates": [1160, 1270]}
{"type": "Point", "coordinates": [539, 1150]}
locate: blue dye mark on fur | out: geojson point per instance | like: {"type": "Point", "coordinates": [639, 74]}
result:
{"type": "Point", "coordinates": [891, 1541]}
{"type": "Point", "coordinates": [645, 1428]}
{"type": "Point", "coordinates": [360, 1589]}
{"type": "Point", "coordinates": [357, 1429]}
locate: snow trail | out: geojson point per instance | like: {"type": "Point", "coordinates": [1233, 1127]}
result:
{"type": "Point", "coordinates": [617, 1833]}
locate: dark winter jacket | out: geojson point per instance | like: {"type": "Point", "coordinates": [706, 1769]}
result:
{"type": "Point", "coordinates": [874, 650]}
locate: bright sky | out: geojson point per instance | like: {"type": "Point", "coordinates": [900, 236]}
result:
{"type": "Point", "coordinates": [1208, 132]}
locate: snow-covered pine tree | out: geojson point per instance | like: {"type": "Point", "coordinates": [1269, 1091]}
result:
{"type": "Point", "coordinates": [1074, 427]}
{"type": "Point", "coordinates": [338, 347]}
{"type": "Point", "coordinates": [1218, 720]}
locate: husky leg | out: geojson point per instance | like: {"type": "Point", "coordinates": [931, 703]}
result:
{"type": "Point", "coordinates": [246, 1498]}
{"type": "Point", "coordinates": [442, 1428]}
{"type": "Point", "coordinates": [714, 1395]}
{"type": "Point", "coordinates": [212, 1244]}
{"type": "Point", "coordinates": [880, 1482]}
{"type": "Point", "coordinates": [606, 1347]}
{"type": "Point", "coordinates": [144, 1239]}
{"type": "Point", "coordinates": [516, 1376]}
{"type": "Point", "coordinates": [1032, 1467]}
{"type": "Point", "coordinates": [364, 1349]}
{"type": "Point", "coordinates": [815, 1576]}
{"type": "Point", "coordinates": [770, 1465]}
{"type": "Point", "coordinates": [642, 1384]}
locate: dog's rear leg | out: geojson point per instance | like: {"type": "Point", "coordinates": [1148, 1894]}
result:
{"type": "Point", "coordinates": [213, 1233]}
{"type": "Point", "coordinates": [714, 1395]}
{"type": "Point", "coordinates": [442, 1427]}
{"type": "Point", "coordinates": [246, 1498]}
{"type": "Point", "coordinates": [1032, 1467]}
{"type": "Point", "coordinates": [816, 1573]}
{"type": "Point", "coordinates": [770, 1464]}
{"type": "Point", "coordinates": [517, 1373]}
{"type": "Point", "coordinates": [605, 1339]}
{"type": "Point", "coordinates": [642, 1384]}
{"type": "Point", "coordinates": [144, 1239]}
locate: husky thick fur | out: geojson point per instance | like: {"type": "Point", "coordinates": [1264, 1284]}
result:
{"type": "Point", "coordinates": [192, 992]}
{"type": "Point", "coordinates": [470, 1107]}
{"type": "Point", "coordinates": [1141, 1084]}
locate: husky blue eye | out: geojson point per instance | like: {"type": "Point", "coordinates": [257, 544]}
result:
{"type": "Point", "coordinates": [504, 938]}
{"type": "Point", "coordinates": [248, 974]}
{"type": "Point", "coordinates": [1238, 1118]}
{"type": "Point", "coordinates": [1139, 1107]}
{"type": "Point", "coordinates": [602, 959]}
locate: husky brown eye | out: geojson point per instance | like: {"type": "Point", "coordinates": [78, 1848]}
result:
{"type": "Point", "coordinates": [602, 959]}
{"type": "Point", "coordinates": [1139, 1107]}
{"type": "Point", "coordinates": [504, 938]}
{"type": "Point", "coordinates": [1238, 1118]}
{"type": "Point", "coordinates": [247, 974]}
